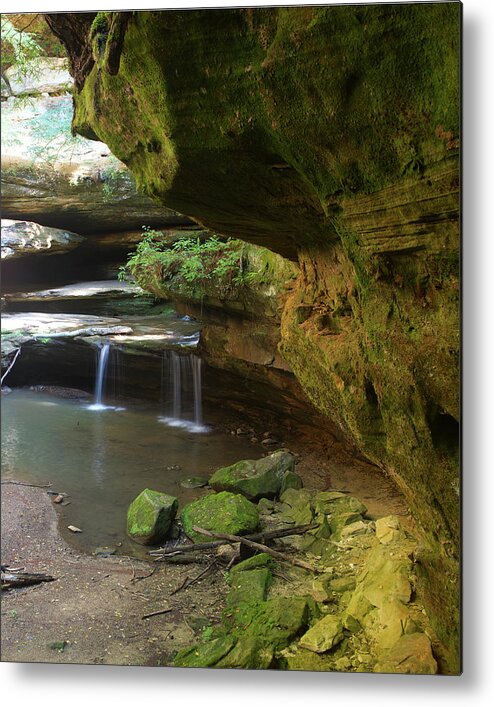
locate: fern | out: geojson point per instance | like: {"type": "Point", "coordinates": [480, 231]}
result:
{"type": "Point", "coordinates": [190, 262]}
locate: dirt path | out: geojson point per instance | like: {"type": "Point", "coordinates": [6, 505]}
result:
{"type": "Point", "coordinates": [96, 604]}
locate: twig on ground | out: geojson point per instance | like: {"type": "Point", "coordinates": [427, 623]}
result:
{"type": "Point", "coordinates": [144, 576]}
{"type": "Point", "coordinates": [156, 613]}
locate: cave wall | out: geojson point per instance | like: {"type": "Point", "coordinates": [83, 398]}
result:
{"type": "Point", "coordinates": [331, 136]}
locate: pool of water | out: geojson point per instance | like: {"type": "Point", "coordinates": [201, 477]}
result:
{"type": "Point", "coordinates": [103, 458]}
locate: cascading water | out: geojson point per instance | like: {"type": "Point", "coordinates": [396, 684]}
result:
{"type": "Point", "coordinates": [197, 379]}
{"type": "Point", "coordinates": [100, 377]}
{"type": "Point", "coordinates": [181, 391]}
{"type": "Point", "coordinates": [103, 358]}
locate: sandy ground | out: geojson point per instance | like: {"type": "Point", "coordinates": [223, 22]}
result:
{"type": "Point", "coordinates": [95, 604]}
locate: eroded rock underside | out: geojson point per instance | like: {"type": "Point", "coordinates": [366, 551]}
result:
{"type": "Point", "coordinates": [330, 136]}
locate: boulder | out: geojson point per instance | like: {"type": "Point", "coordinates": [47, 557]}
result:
{"type": "Point", "coordinates": [263, 478]}
{"type": "Point", "coordinates": [388, 529]}
{"type": "Point", "coordinates": [220, 512]}
{"type": "Point", "coordinates": [297, 506]}
{"type": "Point", "coordinates": [324, 635]}
{"type": "Point", "coordinates": [411, 655]}
{"type": "Point", "coordinates": [43, 75]}
{"type": "Point", "coordinates": [250, 654]}
{"type": "Point", "coordinates": [206, 654]}
{"type": "Point", "coordinates": [150, 515]}
{"type": "Point", "coordinates": [335, 503]}
{"type": "Point", "coordinates": [22, 238]}
{"type": "Point", "coordinates": [194, 482]}
{"type": "Point", "coordinates": [248, 586]}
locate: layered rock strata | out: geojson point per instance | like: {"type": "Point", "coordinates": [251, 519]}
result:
{"type": "Point", "coordinates": [329, 135]}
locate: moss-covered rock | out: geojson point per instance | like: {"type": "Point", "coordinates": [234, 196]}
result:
{"type": "Point", "coordinates": [220, 512]}
{"type": "Point", "coordinates": [150, 515]}
{"type": "Point", "coordinates": [297, 506]}
{"type": "Point", "coordinates": [248, 586]}
{"type": "Point", "coordinates": [263, 478]}
{"type": "Point", "coordinates": [335, 503]}
{"type": "Point", "coordinates": [251, 563]}
{"type": "Point", "coordinates": [274, 622]}
{"type": "Point", "coordinates": [370, 327]}
{"type": "Point", "coordinates": [249, 653]}
{"type": "Point", "coordinates": [204, 655]}
{"type": "Point", "coordinates": [324, 635]}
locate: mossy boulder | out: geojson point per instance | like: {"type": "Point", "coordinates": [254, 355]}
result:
{"type": "Point", "coordinates": [335, 503]}
{"type": "Point", "coordinates": [248, 653]}
{"type": "Point", "coordinates": [297, 506]}
{"type": "Point", "coordinates": [324, 635]}
{"type": "Point", "coordinates": [150, 515]}
{"type": "Point", "coordinates": [252, 633]}
{"type": "Point", "coordinates": [263, 478]}
{"type": "Point", "coordinates": [274, 622]}
{"type": "Point", "coordinates": [251, 563]}
{"type": "Point", "coordinates": [204, 655]}
{"type": "Point", "coordinates": [220, 512]}
{"type": "Point", "coordinates": [248, 585]}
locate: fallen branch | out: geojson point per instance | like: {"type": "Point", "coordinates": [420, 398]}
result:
{"type": "Point", "coordinates": [266, 535]}
{"type": "Point", "coordinates": [155, 613]}
{"type": "Point", "coordinates": [257, 546]}
{"type": "Point", "coordinates": [23, 483]}
{"type": "Point", "coordinates": [11, 366]}
{"type": "Point", "coordinates": [10, 579]}
{"type": "Point", "coordinates": [189, 581]}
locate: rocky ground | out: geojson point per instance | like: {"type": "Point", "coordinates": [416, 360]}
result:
{"type": "Point", "coordinates": [356, 611]}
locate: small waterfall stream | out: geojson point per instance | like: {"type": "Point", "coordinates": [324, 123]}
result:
{"type": "Point", "coordinates": [181, 386]}
{"type": "Point", "coordinates": [101, 375]}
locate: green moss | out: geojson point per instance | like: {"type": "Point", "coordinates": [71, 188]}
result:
{"type": "Point", "coordinates": [263, 478]}
{"type": "Point", "coordinates": [150, 515]}
{"type": "Point", "coordinates": [206, 654]}
{"type": "Point", "coordinates": [101, 23]}
{"type": "Point", "coordinates": [221, 512]}
{"type": "Point", "coordinates": [249, 586]}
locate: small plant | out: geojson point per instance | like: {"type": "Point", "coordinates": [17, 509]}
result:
{"type": "Point", "coordinates": [191, 262]}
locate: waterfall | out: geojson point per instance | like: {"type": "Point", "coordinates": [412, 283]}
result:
{"type": "Point", "coordinates": [101, 371]}
{"type": "Point", "coordinates": [197, 380]}
{"type": "Point", "coordinates": [176, 379]}
{"type": "Point", "coordinates": [100, 374]}
{"type": "Point", "coordinates": [181, 391]}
